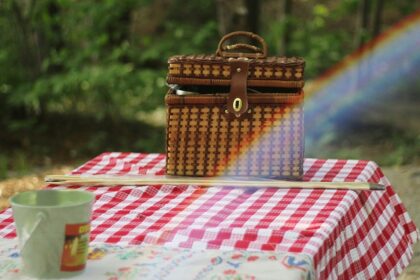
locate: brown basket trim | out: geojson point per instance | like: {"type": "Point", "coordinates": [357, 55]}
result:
{"type": "Point", "coordinates": [214, 59]}
{"type": "Point", "coordinates": [220, 82]}
{"type": "Point", "coordinates": [253, 98]}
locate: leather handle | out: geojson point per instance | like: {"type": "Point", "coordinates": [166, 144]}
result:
{"type": "Point", "coordinates": [258, 52]}
{"type": "Point", "coordinates": [242, 46]}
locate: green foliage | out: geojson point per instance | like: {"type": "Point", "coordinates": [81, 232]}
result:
{"type": "Point", "coordinates": [323, 38]}
{"type": "Point", "coordinates": [96, 61]}
{"type": "Point", "coordinates": [80, 56]}
{"type": "Point", "coordinates": [103, 62]}
{"type": "Point", "coordinates": [108, 58]}
{"type": "Point", "coordinates": [92, 90]}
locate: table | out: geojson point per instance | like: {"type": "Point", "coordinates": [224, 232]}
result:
{"type": "Point", "coordinates": [345, 234]}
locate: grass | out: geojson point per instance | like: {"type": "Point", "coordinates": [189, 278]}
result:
{"type": "Point", "coordinates": [383, 143]}
{"type": "Point", "coordinates": [59, 139]}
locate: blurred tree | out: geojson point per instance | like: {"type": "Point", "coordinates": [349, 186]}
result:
{"type": "Point", "coordinates": [94, 59]}
{"type": "Point", "coordinates": [67, 55]}
{"type": "Point", "coordinates": [287, 13]}
{"type": "Point", "coordinates": [147, 20]}
{"type": "Point", "coordinates": [238, 15]}
{"type": "Point", "coordinates": [106, 60]}
{"type": "Point", "coordinates": [364, 15]}
{"type": "Point", "coordinates": [231, 15]}
{"type": "Point", "coordinates": [253, 8]}
{"type": "Point", "coordinates": [377, 17]}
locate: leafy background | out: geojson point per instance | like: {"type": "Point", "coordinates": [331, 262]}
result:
{"type": "Point", "coordinates": [81, 77]}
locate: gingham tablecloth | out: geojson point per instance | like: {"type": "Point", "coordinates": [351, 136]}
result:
{"type": "Point", "coordinates": [347, 234]}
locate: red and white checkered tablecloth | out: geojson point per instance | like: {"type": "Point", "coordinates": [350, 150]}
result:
{"type": "Point", "coordinates": [347, 234]}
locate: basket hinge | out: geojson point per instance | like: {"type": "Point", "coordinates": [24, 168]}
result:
{"type": "Point", "coordinates": [237, 102]}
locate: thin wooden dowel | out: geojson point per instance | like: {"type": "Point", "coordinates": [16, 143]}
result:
{"type": "Point", "coordinates": [205, 182]}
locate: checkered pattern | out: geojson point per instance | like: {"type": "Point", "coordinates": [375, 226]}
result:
{"type": "Point", "coordinates": [348, 234]}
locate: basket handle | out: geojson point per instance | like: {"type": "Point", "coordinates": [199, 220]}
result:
{"type": "Point", "coordinates": [258, 52]}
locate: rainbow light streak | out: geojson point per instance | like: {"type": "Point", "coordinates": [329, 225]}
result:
{"type": "Point", "coordinates": [388, 62]}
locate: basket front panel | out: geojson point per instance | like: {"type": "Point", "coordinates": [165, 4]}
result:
{"type": "Point", "coordinates": [203, 141]}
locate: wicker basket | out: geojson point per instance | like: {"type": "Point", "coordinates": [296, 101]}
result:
{"type": "Point", "coordinates": [217, 126]}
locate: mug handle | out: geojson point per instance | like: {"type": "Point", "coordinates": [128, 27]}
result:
{"type": "Point", "coordinates": [40, 217]}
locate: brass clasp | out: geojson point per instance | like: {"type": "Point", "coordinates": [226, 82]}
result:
{"type": "Point", "coordinates": [237, 104]}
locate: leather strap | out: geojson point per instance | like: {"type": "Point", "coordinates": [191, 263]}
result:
{"type": "Point", "coordinates": [237, 102]}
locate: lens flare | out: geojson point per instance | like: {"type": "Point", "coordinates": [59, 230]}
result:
{"type": "Point", "coordinates": [389, 62]}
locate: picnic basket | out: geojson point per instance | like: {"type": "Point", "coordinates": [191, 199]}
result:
{"type": "Point", "coordinates": [235, 113]}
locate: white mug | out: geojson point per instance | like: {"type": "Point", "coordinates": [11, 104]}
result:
{"type": "Point", "coordinates": [53, 228]}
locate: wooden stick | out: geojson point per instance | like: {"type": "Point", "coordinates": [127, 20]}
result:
{"type": "Point", "coordinates": [204, 181]}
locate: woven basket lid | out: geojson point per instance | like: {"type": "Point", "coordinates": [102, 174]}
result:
{"type": "Point", "coordinates": [215, 69]}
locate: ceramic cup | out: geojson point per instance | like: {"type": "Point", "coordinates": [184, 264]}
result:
{"type": "Point", "coordinates": [53, 228]}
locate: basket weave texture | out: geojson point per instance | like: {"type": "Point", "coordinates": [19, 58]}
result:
{"type": "Point", "coordinates": [203, 141]}
{"type": "Point", "coordinates": [254, 129]}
